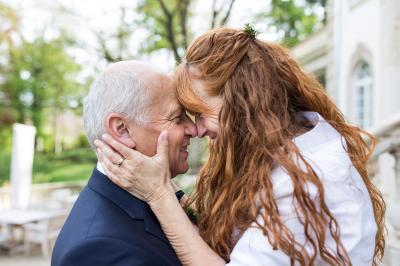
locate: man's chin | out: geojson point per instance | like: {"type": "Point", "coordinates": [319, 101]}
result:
{"type": "Point", "coordinates": [181, 169]}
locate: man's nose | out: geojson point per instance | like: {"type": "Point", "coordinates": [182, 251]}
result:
{"type": "Point", "coordinates": [190, 128]}
{"type": "Point", "coordinates": [201, 129]}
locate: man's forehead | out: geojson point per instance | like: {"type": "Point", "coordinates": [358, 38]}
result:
{"type": "Point", "coordinates": [160, 90]}
{"type": "Point", "coordinates": [163, 97]}
{"type": "Point", "coordinates": [176, 107]}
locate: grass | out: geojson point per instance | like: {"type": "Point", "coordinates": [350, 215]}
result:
{"type": "Point", "coordinates": [68, 166]}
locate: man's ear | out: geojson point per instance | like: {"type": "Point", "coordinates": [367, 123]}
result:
{"type": "Point", "coordinates": [117, 127]}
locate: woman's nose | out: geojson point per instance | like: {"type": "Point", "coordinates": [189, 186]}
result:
{"type": "Point", "coordinates": [201, 129]}
{"type": "Point", "coordinates": [190, 128]}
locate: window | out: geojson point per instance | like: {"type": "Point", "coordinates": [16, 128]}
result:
{"type": "Point", "coordinates": [362, 89]}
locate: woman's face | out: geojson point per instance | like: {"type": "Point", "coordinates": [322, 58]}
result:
{"type": "Point", "coordinates": [207, 123]}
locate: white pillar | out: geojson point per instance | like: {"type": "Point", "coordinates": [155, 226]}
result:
{"type": "Point", "coordinates": [21, 164]}
{"type": "Point", "coordinates": [393, 203]}
{"type": "Point", "coordinates": [387, 175]}
{"type": "Point", "coordinates": [336, 90]}
{"type": "Point", "coordinates": [390, 66]}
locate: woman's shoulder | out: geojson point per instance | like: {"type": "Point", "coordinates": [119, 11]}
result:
{"type": "Point", "coordinates": [321, 137]}
{"type": "Point", "coordinates": [323, 148]}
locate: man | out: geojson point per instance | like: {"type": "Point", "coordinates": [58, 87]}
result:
{"type": "Point", "coordinates": [134, 103]}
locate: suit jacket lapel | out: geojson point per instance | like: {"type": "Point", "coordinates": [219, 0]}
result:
{"type": "Point", "coordinates": [134, 207]}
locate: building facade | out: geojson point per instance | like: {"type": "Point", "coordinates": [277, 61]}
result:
{"type": "Point", "coordinates": [357, 58]}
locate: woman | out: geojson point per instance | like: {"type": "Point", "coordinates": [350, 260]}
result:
{"type": "Point", "coordinates": [286, 179]}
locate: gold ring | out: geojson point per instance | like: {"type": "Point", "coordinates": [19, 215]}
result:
{"type": "Point", "coordinates": [121, 161]}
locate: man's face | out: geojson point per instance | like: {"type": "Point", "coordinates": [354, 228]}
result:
{"type": "Point", "coordinates": [165, 113]}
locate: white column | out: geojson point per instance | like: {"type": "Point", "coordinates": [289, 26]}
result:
{"type": "Point", "coordinates": [393, 203]}
{"type": "Point", "coordinates": [21, 164]}
{"type": "Point", "coordinates": [396, 154]}
{"type": "Point", "coordinates": [336, 89]}
{"type": "Point", "coordinates": [387, 176]}
{"type": "Point", "coordinates": [390, 67]}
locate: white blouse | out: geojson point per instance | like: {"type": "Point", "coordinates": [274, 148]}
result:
{"type": "Point", "coordinates": [345, 195]}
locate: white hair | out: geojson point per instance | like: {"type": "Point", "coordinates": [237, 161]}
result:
{"type": "Point", "coordinates": [118, 89]}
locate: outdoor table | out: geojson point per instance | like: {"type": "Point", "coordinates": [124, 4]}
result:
{"type": "Point", "coordinates": [17, 218]}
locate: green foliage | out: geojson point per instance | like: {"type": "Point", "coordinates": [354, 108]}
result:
{"type": "Point", "coordinates": [248, 28]}
{"type": "Point", "coordinates": [40, 83]}
{"type": "Point", "coordinates": [10, 22]}
{"type": "Point", "coordinates": [38, 78]}
{"type": "Point", "coordinates": [81, 142]}
{"type": "Point", "coordinates": [114, 47]}
{"type": "Point", "coordinates": [167, 22]}
{"type": "Point", "coordinates": [294, 20]}
{"type": "Point", "coordinates": [70, 165]}
{"type": "Point", "coordinates": [5, 159]}
{"type": "Point", "coordinates": [39, 75]}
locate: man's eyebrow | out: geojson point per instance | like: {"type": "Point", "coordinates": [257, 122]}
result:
{"type": "Point", "coordinates": [176, 111]}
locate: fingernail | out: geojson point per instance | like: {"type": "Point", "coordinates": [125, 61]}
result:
{"type": "Point", "coordinates": [96, 142]}
{"type": "Point", "coordinates": [104, 136]}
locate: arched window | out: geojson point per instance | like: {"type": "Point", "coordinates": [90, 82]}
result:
{"type": "Point", "coordinates": [362, 89]}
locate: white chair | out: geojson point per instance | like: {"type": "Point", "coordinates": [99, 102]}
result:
{"type": "Point", "coordinates": [5, 236]}
{"type": "Point", "coordinates": [44, 233]}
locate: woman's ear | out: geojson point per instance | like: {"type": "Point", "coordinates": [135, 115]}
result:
{"type": "Point", "coordinates": [118, 128]}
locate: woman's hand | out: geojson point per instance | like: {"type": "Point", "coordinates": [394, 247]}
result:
{"type": "Point", "coordinates": [147, 178]}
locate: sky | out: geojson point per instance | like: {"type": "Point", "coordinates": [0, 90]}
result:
{"type": "Point", "coordinates": [102, 15]}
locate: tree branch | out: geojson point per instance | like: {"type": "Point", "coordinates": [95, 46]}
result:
{"type": "Point", "coordinates": [169, 26]}
{"type": "Point", "coordinates": [161, 20]}
{"type": "Point", "coordinates": [228, 13]}
{"type": "Point", "coordinates": [164, 8]}
{"type": "Point", "coordinates": [104, 49]}
{"type": "Point", "coordinates": [183, 20]}
{"type": "Point", "coordinates": [214, 13]}
{"type": "Point", "coordinates": [121, 34]}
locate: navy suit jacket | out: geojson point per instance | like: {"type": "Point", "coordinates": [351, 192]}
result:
{"type": "Point", "coordinates": [109, 226]}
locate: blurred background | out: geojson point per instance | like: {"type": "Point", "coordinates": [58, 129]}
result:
{"type": "Point", "coordinates": [51, 50]}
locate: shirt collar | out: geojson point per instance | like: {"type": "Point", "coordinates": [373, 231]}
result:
{"type": "Point", "coordinates": [319, 135]}
{"type": "Point", "coordinates": [100, 167]}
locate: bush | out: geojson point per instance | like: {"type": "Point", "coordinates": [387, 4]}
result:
{"type": "Point", "coordinates": [5, 164]}
{"type": "Point", "coordinates": [70, 165]}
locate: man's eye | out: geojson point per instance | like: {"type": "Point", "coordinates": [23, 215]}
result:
{"type": "Point", "coordinates": [178, 118]}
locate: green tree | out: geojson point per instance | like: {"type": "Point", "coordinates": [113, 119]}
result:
{"type": "Point", "coordinates": [167, 23]}
{"type": "Point", "coordinates": [40, 82]}
{"type": "Point", "coordinates": [9, 25]}
{"type": "Point", "coordinates": [295, 20]}
{"type": "Point", "coordinates": [113, 46]}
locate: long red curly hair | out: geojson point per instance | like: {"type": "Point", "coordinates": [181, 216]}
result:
{"type": "Point", "coordinates": [262, 89]}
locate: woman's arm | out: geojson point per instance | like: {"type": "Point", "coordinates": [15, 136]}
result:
{"type": "Point", "coordinates": [184, 198]}
{"type": "Point", "coordinates": [148, 178]}
{"type": "Point", "coordinates": [183, 236]}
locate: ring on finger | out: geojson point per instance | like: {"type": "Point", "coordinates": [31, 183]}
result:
{"type": "Point", "coordinates": [121, 161]}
